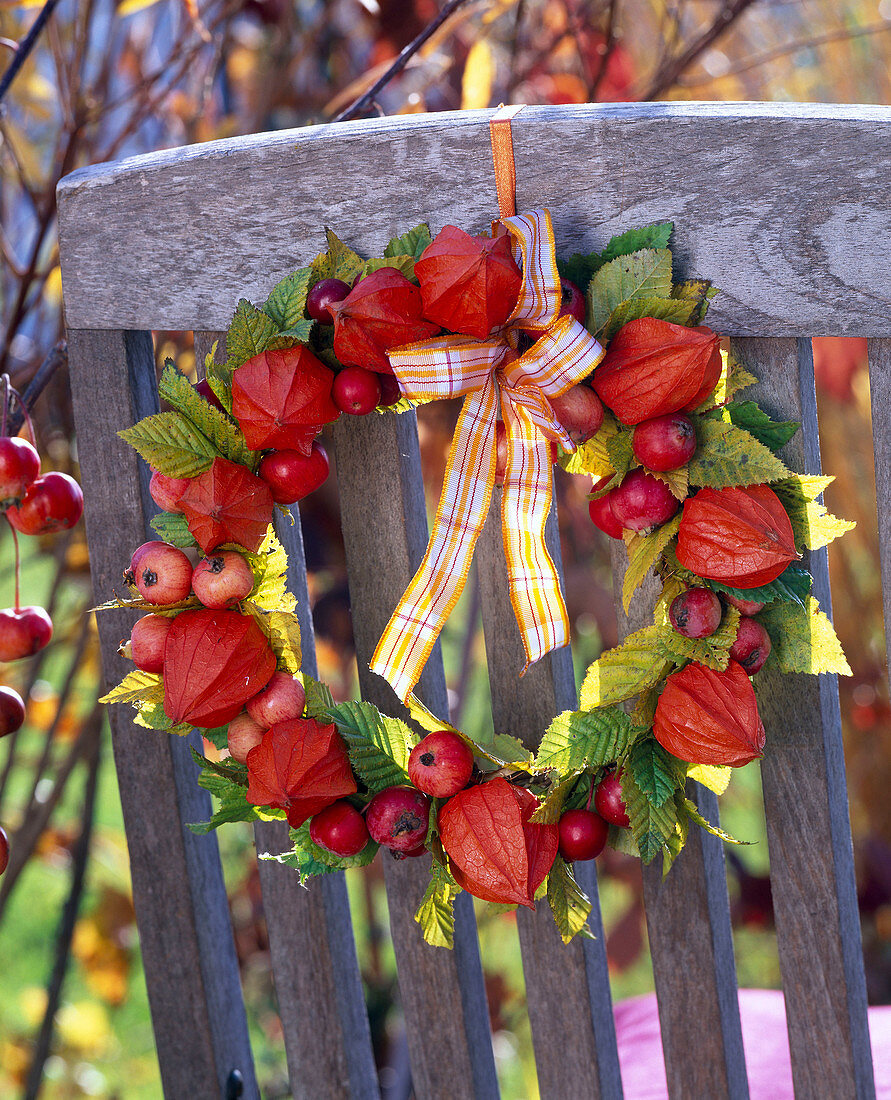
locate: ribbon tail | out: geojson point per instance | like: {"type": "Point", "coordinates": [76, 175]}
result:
{"type": "Point", "coordinates": [434, 590]}
{"type": "Point", "coordinates": [532, 576]}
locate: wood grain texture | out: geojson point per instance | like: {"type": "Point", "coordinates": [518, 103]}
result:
{"type": "Point", "coordinates": [805, 799]}
{"type": "Point", "coordinates": [880, 395]}
{"type": "Point", "coordinates": [771, 201]}
{"type": "Point", "coordinates": [385, 533]}
{"type": "Point", "coordinates": [688, 924]}
{"type": "Point", "coordinates": [178, 890]}
{"type": "Point", "coordinates": [573, 1033]}
{"type": "Point", "coordinates": [310, 930]}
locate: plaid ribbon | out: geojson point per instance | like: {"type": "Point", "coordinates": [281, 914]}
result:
{"type": "Point", "coordinates": [487, 374]}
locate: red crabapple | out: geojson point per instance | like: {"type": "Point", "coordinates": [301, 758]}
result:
{"type": "Point", "coordinates": [12, 711]}
{"type": "Point", "coordinates": [222, 579]}
{"type": "Point", "coordinates": [291, 475]}
{"type": "Point", "coordinates": [339, 829]}
{"type": "Point", "coordinates": [642, 501]}
{"type": "Point", "coordinates": [243, 735]}
{"type": "Point", "coordinates": [24, 632]}
{"type": "Point", "coordinates": [397, 818]}
{"type": "Point", "coordinates": [282, 699]}
{"type": "Point", "coordinates": [695, 613]}
{"type": "Point", "coordinates": [579, 410]}
{"type": "Point", "coordinates": [582, 835]}
{"type": "Point", "coordinates": [572, 301]}
{"type": "Point", "coordinates": [19, 467]}
{"type": "Point", "coordinates": [147, 640]}
{"type": "Point", "coordinates": [752, 645]}
{"type": "Point", "coordinates": [440, 764]}
{"type": "Point", "coordinates": [608, 800]}
{"type": "Point", "coordinates": [665, 442]}
{"type": "Point", "coordinates": [53, 502]}
{"type": "Point", "coordinates": [163, 574]}
{"type": "Point", "coordinates": [356, 391]}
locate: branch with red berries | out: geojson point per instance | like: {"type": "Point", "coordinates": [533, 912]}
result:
{"type": "Point", "coordinates": [682, 470]}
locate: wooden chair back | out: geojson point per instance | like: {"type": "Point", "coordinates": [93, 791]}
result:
{"type": "Point", "coordinates": [785, 207]}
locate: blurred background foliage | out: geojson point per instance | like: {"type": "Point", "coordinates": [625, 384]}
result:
{"type": "Point", "coordinates": [111, 78]}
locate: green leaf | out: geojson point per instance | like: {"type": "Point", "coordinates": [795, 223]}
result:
{"type": "Point", "coordinates": [219, 378]}
{"type": "Point", "coordinates": [339, 262]}
{"type": "Point", "coordinates": [286, 304]}
{"type": "Point", "coordinates": [696, 816]}
{"type": "Point", "coordinates": [248, 334]}
{"type": "Point", "coordinates": [651, 825]}
{"type": "Point", "coordinates": [309, 859]}
{"type": "Point", "coordinates": [405, 265]}
{"type": "Point", "coordinates": [714, 776]}
{"type": "Point", "coordinates": [674, 845]}
{"type": "Point", "coordinates": [792, 585]}
{"type": "Point", "coordinates": [656, 772]}
{"type": "Point", "coordinates": [173, 528]}
{"type": "Point", "coordinates": [290, 337]}
{"type": "Point", "coordinates": [812, 525]}
{"type": "Point", "coordinates": [436, 913]}
{"type": "Point", "coordinates": [282, 630]}
{"type": "Point", "coordinates": [233, 806]}
{"type": "Point", "coordinates": [579, 268]}
{"type": "Point", "coordinates": [222, 432]}
{"type": "Point", "coordinates": [137, 686]}
{"type": "Point", "coordinates": [576, 739]}
{"type": "Point", "coordinates": [411, 243]}
{"type": "Point", "coordinates": [713, 651]}
{"type": "Point", "coordinates": [645, 274]}
{"type": "Point", "coordinates": [727, 456]}
{"type": "Point", "coordinates": [548, 813]}
{"type": "Point", "coordinates": [643, 551]}
{"type": "Point", "coordinates": [772, 433]}
{"type": "Point", "coordinates": [318, 698]}
{"type": "Point", "coordinates": [379, 746]}
{"type": "Point", "coordinates": [569, 903]}
{"type": "Point", "coordinates": [622, 672]}
{"type": "Point", "coordinates": [678, 311]}
{"type": "Point", "coordinates": [229, 769]}
{"type": "Point", "coordinates": [620, 449]}
{"type": "Point", "coordinates": [633, 240]}
{"type": "Point", "coordinates": [152, 716]}
{"type": "Point", "coordinates": [169, 442]}
{"type": "Point", "coordinates": [803, 639]}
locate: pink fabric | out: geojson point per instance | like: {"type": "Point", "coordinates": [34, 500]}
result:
{"type": "Point", "coordinates": [765, 1042]}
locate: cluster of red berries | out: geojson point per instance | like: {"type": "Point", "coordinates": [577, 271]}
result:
{"type": "Point", "coordinates": [697, 613]}
{"type": "Point", "coordinates": [440, 766]}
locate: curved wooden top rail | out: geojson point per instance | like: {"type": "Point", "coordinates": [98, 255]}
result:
{"type": "Point", "coordinates": [784, 206]}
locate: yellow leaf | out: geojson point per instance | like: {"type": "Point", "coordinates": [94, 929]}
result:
{"type": "Point", "coordinates": [812, 525]}
{"type": "Point", "coordinates": [713, 776]}
{"type": "Point", "coordinates": [803, 639]}
{"type": "Point", "coordinates": [137, 686]}
{"type": "Point", "coordinates": [733, 379]}
{"type": "Point", "coordinates": [643, 550]}
{"type": "Point", "coordinates": [625, 671]}
{"type": "Point", "coordinates": [131, 7]}
{"type": "Point", "coordinates": [479, 73]}
{"type": "Point", "coordinates": [676, 480]}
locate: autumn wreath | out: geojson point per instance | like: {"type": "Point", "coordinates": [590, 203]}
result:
{"type": "Point", "coordinates": [622, 383]}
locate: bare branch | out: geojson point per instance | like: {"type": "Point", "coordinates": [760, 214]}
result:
{"type": "Point", "coordinates": [366, 100]}
{"type": "Point", "coordinates": [26, 45]}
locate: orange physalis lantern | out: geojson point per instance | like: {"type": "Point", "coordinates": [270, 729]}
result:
{"type": "Point", "coordinates": [495, 852]}
{"type": "Point", "coordinates": [708, 717]}
{"type": "Point", "coordinates": [740, 537]}
{"type": "Point", "coordinates": [227, 503]}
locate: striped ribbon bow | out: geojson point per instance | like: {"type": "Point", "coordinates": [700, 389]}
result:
{"type": "Point", "coordinates": [487, 373]}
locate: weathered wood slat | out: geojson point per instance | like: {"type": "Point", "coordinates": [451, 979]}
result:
{"type": "Point", "coordinates": [385, 532]}
{"type": "Point", "coordinates": [721, 171]}
{"type": "Point", "coordinates": [567, 986]}
{"type": "Point", "coordinates": [178, 890]}
{"type": "Point", "coordinates": [688, 924]}
{"type": "Point", "coordinates": [808, 828]}
{"type": "Point", "coordinates": [880, 394]}
{"type": "Point", "coordinates": [310, 930]}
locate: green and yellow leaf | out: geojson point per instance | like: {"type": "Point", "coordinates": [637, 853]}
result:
{"type": "Point", "coordinates": [548, 813]}
{"type": "Point", "coordinates": [137, 686]}
{"type": "Point", "coordinates": [339, 262]}
{"type": "Point", "coordinates": [248, 335]}
{"type": "Point", "coordinates": [569, 903]}
{"type": "Point", "coordinates": [436, 913]}
{"type": "Point", "coordinates": [222, 432]}
{"type": "Point", "coordinates": [714, 776]}
{"type": "Point", "coordinates": [622, 672]}
{"type": "Point", "coordinates": [713, 651]}
{"type": "Point", "coordinates": [812, 525]}
{"type": "Point", "coordinates": [644, 274]}
{"type": "Point", "coordinates": [678, 312]}
{"type": "Point", "coordinates": [576, 739]}
{"type": "Point", "coordinates": [728, 456]}
{"type": "Point", "coordinates": [703, 823]}
{"type": "Point", "coordinates": [282, 630]}
{"type": "Point", "coordinates": [803, 639]}
{"type": "Point", "coordinates": [643, 552]}
{"type": "Point", "coordinates": [169, 442]}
